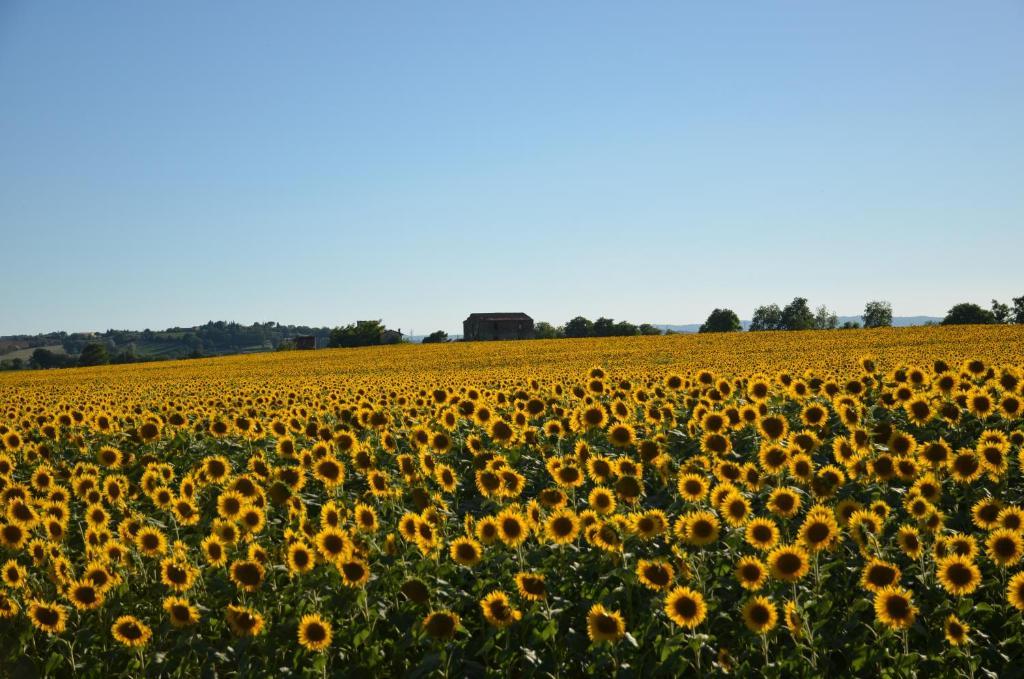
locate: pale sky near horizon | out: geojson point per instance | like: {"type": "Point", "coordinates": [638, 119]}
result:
{"type": "Point", "coordinates": [166, 164]}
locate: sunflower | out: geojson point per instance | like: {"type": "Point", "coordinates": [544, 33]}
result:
{"type": "Point", "coordinates": [759, 388]}
{"type": "Point", "coordinates": [531, 586]}
{"type": "Point", "coordinates": [685, 607]}
{"type": "Point", "coordinates": [416, 591]}
{"type": "Point", "coordinates": [773, 458]}
{"type": "Point", "coordinates": [84, 595]}
{"type": "Point", "coordinates": [247, 574]}
{"type": "Point", "coordinates": [819, 530]}
{"type": "Point", "coordinates": [878, 574]}
{"type": "Point", "coordinates": [231, 504]}
{"type": "Point", "coordinates": [956, 631]}
{"type": "Point", "coordinates": [591, 417]}
{"type": "Point", "coordinates": [244, 621]}
{"type": "Point", "coordinates": [12, 440]}
{"type": "Point", "coordinates": [762, 533]}
{"type": "Point", "coordinates": [959, 575]}
{"type": "Point", "coordinates": [8, 607]}
{"type": "Point", "coordinates": [301, 558]}
{"type": "Point", "coordinates": [487, 530]}
{"type": "Point", "coordinates": [354, 572]}
{"type": "Point", "coordinates": [330, 471]}
{"type": "Point", "coordinates": [1011, 517]}
{"type": "Point", "coordinates": [1015, 591]}
{"type": "Point", "coordinates": [621, 435]}
{"type": "Point", "coordinates": [408, 526]}
{"type": "Point", "coordinates": [784, 502]}
{"type": "Point", "coordinates": [760, 615]}
{"type": "Point", "coordinates": [699, 528]}
{"type": "Point", "coordinates": [333, 543]}
{"type": "Point", "coordinates": [466, 551]}
{"type": "Point", "coordinates": [735, 508]}
{"type": "Point", "coordinates": [180, 612]}
{"type": "Point", "coordinates": [46, 616]}
{"type": "Point", "coordinates": [909, 540]}
{"type": "Point", "coordinates": [441, 624]}
{"type": "Point", "coordinates": [498, 611]}
{"type": "Point", "coordinates": [213, 550]}
{"type": "Point", "coordinates": [553, 498]}
{"type": "Point", "coordinates": [604, 624]}
{"type": "Point", "coordinates": [648, 524]}
{"type": "Point", "coordinates": [788, 563]}
{"type": "Point", "coordinates": [773, 427]}
{"type": "Point", "coordinates": [654, 574]}
{"type": "Point", "coordinates": [314, 632]}
{"type": "Point", "coordinates": [980, 403]}
{"type": "Point", "coordinates": [965, 466]}
{"type": "Point", "coordinates": [918, 507]}
{"type": "Point", "coordinates": [751, 573]}
{"type": "Point", "coordinates": [716, 444]}
{"type": "Point", "coordinates": [601, 500]}
{"type": "Point", "coordinates": [446, 478]}
{"type": "Point", "coordinates": [150, 541]}
{"type": "Point", "coordinates": [985, 513]}
{"type": "Point", "coordinates": [1005, 547]}
{"type": "Point", "coordinates": [919, 410]}
{"type": "Point", "coordinates": [599, 467]}
{"type": "Point", "coordinates": [177, 575]}
{"type": "Point", "coordinates": [894, 607]}
{"type": "Point", "coordinates": [512, 527]}
{"type": "Point", "coordinates": [562, 526]}
{"type": "Point", "coordinates": [629, 488]}
{"type": "Point", "coordinates": [13, 575]}
{"type": "Point", "coordinates": [692, 487]}
{"type": "Point", "coordinates": [131, 631]}
{"type": "Point", "coordinates": [793, 618]}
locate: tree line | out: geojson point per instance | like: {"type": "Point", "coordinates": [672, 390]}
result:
{"type": "Point", "coordinates": [797, 315]}
{"type": "Point", "coordinates": [220, 337]}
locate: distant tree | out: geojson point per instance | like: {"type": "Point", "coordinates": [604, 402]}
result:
{"type": "Point", "coordinates": [825, 319]}
{"type": "Point", "coordinates": [43, 359]}
{"type": "Point", "coordinates": [767, 318]}
{"type": "Point", "coordinates": [648, 329]}
{"type": "Point", "coordinates": [436, 337]}
{"type": "Point", "coordinates": [849, 325]}
{"type": "Point", "coordinates": [544, 330]}
{"type": "Point", "coordinates": [126, 355]}
{"type": "Point", "coordinates": [1001, 312]}
{"type": "Point", "coordinates": [878, 314]}
{"type": "Point", "coordinates": [797, 315]}
{"type": "Point", "coordinates": [358, 334]}
{"type": "Point", "coordinates": [579, 327]}
{"type": "Point", "coordinates": [625, 329]}
{"type": "Point", "coordinates": [604, 327]}
{"type": "Point", "coordinates": [722, 320]}
{"type": "Point", "coordinates": [1018, 310]}
{"type": "Point", "coordinates": [12, 364]}
{"type": "Point", "coordinates": [968, 314]}
{"type": "Point", "coordinates": [93, 353]}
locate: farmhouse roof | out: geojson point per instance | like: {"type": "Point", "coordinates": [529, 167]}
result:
{"type": "Point", "coordinates": [500, 316]}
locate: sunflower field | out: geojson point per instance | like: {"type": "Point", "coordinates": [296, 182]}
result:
{"type": "Point", "coordinates": [786, 504]}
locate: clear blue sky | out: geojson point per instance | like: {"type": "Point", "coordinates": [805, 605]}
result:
{"type": "Point", "coordinates": [170, 163]}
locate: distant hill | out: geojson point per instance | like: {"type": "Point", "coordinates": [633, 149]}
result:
{"type": "Point", "coordinates": [897, 321]}
{"type": "Point", "coordinates": [215, 338]}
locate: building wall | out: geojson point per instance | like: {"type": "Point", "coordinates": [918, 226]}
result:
{"type": "Point", "coordinates": [390, 337]}
{"type": "Point", "coordinates": [482, 329]}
